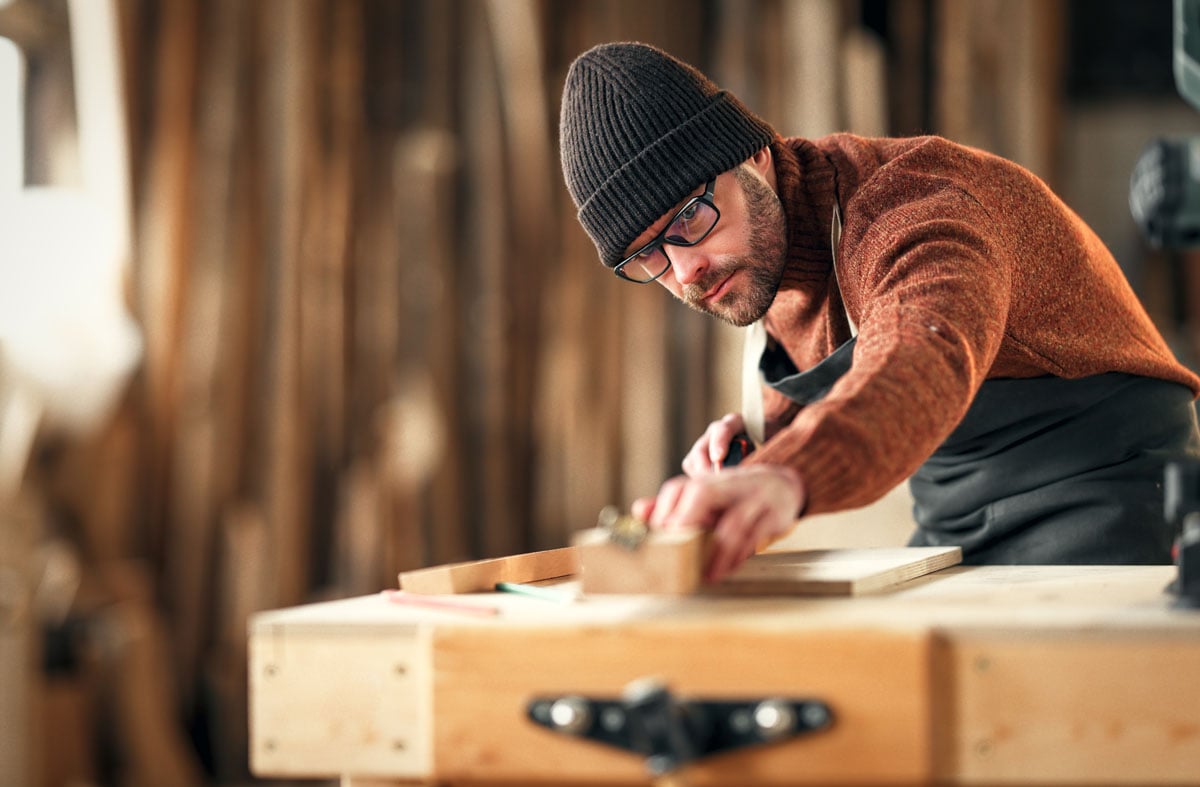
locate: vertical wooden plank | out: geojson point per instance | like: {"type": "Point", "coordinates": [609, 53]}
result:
{"type": "Point", "coordinates": [358, 562]}
{"type": "Point", "coordinates": [20, 740]}
{"type": "Point", "coordinates": [864, 67]}
{"type": "Point", "coordinates": [424, 177]}
{"type": "Point", "coordinates": [164, 235]}
{"type": "Point", "coordinates": [811, 34]}
{"type": "Point", "coordinates": [516, 39]}
{"type": "Point", "coordinates": [241, 587]}
{"type": "Point", "coordinates": [194, 495]}
{"type": "Point", "coordinates": [488, 275]}
{"type": "Point", "coordinates": [908, 77]}
{"type": "Point", "coordinates": [954, 70]}
{"type": "Point", "coordinates": [287, 125]}
{"type": "Point", "coordinates": [142, 683]}
{"type": "Point", "coordinates": [1031, 83]}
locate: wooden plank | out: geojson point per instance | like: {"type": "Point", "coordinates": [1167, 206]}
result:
{"type": "Point", "coordinates": [193, 494]}
{"type": "Point", "coordinates": [483, 682]}
{"type": "Point", "coordinates": [482, 575]}
{"type": "Point", "coordinates": [1078, 707]}
{"type": "Point", "coordinates": [165, 233]}
{"type": "Point", "coordinates": [21, 748]}
{"type": "Point", "coordinates": [667, 562]}
{"type": "Point", "coordinates": [531, 164]}
{"type": "Point", "coordinates": [288, 117]}
{"type": "Point", "coordinates": [836, 572]}
{"type": "Point", "coordinates": [144, 718]}
{"type": "Point", "coordinates": [671, 562]}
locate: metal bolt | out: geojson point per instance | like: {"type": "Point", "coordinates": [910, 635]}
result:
{"type": "Point", "coordinates": [270, 670]}
{"type": "Point", "coordinates": [571, 715]}
{"type": "Point", "coordinates": [269, 744]}
{"type": "Point", "coordinates": [982, 663]}
{"type": "Point", "coordinates": [741, 721]}
{"type": "Point", "coordinates": [541, 712]}
{"type": "Point", "coordinates": [401, 670]}
{"type": "Point", "coordinates": [612, 719]}
{"type": "Point", "coordinates": [659, 764]}
{"type": "Point", "coordinates": [398, 745]}
{"type": "Point", "coordinates": [983, 747]}
{"type": "Point", "coordinates": [814, 715]}
{"type": "Point", "coordinates": [774, 718]}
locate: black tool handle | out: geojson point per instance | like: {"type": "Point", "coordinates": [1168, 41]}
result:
{"type": "Point", "coordinates": [739, 448]}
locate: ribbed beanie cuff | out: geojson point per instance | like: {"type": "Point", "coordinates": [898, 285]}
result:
{"type": "Point", "coordinates": [639, 130]}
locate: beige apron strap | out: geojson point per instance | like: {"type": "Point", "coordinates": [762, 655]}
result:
{"type": "Point", "coordinates": [756, 341]}
{"type": "Point", "coordinates": [752, 395]}
{"type": "Point", "coordinates": [835, 238]}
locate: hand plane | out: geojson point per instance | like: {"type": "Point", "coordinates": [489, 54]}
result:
{"type": "Point", "coordinates": [623, 555]}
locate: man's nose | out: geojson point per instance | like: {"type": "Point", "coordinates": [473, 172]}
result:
{"type": "Point", "coordinates": [688, 264]}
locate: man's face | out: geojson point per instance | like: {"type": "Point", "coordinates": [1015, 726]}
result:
{"type": "Point", "coordinates": [734, 273]}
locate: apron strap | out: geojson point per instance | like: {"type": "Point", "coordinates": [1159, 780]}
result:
{"type": "Point", "coordinates": [755, 342]}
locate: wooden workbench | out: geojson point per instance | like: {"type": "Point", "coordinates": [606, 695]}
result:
{"type": "Point", "coordinates": [995, 675]}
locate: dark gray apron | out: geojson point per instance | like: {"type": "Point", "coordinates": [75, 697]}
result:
{"type": "Point", "coordinates": [1042, 470]}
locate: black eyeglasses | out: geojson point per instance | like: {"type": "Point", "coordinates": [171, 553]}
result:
{"type": "Point", "coordinates": [690, 225]}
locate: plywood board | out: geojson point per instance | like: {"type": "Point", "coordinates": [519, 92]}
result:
{"type": "Point", "coordinates": [482, 575]}
{"type": "Point", "coordinates": [835, 572]}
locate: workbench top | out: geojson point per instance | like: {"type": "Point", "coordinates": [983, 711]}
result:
{"type": "Point", "coordinates": [1076, 597]}
{"type": "Point", "coordinates": [1030, 674]}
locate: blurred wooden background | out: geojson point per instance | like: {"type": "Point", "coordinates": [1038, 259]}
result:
{"type": "Point", "coordinates": [375, 337]}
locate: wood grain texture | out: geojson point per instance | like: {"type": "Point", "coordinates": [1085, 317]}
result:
{"type": "Point", "coordinates": [877, 684]}
{"type": "Point", "coordinates": [667, 563]}
{"type": "Point", "coordinates": [475, 576]}
{"type": "Point", "coordinates": [836, 572]}
{"type": "Point", "coordinates": [672, 563]}
{"type": "Point", "coordinates": [1069, 707]}
{"type": "Point", "coordinates": [978, 675]}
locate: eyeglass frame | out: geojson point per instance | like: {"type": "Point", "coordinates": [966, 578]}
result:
{"type": "Point", "coordinates": [661, 240]}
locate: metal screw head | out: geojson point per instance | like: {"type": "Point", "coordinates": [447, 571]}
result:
{"type": "Point", "coordinates": [571, 715]}
{"type": "Point", "coordinates": [774, 718]}
{"type": "Point", "coordinates": [741, 721]}
{"type": "Point", "coordinates": [612, 719]}
{"type": "Point", "coordinates": [814, 715]}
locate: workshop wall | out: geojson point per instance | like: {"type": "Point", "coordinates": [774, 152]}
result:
{"type": "Point", "coordinates": [375, 337]}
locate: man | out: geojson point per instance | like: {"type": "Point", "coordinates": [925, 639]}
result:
{"type": "Point", "coordinates": [933, 312]}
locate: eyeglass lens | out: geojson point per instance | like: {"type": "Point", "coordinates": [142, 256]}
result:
{"type": "Point", "coordinates": [688, 228]}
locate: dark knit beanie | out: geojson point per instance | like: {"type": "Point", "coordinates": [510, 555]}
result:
{"type": "Point", "coordinates": [639, 131]}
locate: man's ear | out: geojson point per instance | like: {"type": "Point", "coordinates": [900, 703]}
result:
{"type": "Point", "coordinates": [762, 160]}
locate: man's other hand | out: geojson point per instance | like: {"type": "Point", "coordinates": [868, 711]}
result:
{"type": "Point", "coordinates": [710, 449]}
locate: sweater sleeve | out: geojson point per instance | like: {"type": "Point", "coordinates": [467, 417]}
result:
{"type": "Point", "coordinates": [929, 288]}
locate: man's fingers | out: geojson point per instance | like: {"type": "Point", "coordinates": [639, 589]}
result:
{"type": "Point", "coordinates": [642, 508]}
{"type": "Point", "coordinates": [666, 502]}
{"type": "Point", "coordinates": [735, 537]}
{"type": "Point", "coordinates": [720, 434]}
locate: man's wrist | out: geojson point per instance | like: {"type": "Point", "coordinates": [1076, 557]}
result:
{"type": "Point", "coordinates": [798, 485]}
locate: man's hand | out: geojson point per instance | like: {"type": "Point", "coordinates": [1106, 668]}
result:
{"type": "Point", "coordinates": [742, 506]}
{"type": "Point", "coordinates": [710, 449]}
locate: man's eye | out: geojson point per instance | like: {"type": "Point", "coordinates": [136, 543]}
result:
{"type": "Point", "coordinates": [646, 253]}
{"type": "Point", "coordinates": [689, 213]}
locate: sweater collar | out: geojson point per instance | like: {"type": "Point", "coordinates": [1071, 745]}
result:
{"type": "Point", "coordinates": [807, 184]}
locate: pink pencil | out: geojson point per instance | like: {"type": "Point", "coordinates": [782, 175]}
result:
{"type": "Point", "coordinates": [440, 602]}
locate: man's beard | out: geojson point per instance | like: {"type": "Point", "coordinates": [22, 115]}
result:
{"type": "Point", "coordinates": [763, 264]}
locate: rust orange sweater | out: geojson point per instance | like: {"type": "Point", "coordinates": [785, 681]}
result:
{"type": "Point", "coordinates": [957, 266]}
